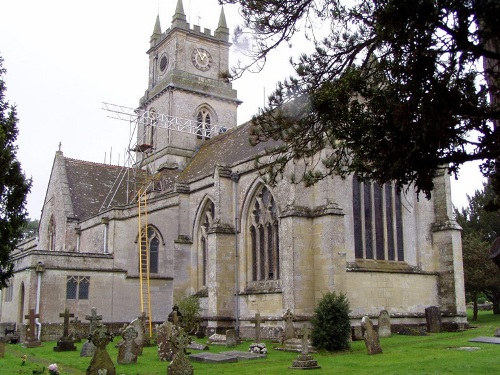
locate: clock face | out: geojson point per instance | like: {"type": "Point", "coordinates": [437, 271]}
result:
{"type": "Point", "coordinates": [201, 59]}
{"type": "Point", "coordinates": [163, 63]}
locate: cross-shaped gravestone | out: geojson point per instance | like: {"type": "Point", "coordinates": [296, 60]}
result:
{"type": "Point", "coordinates": [305, 340]}
{"type": "Point", "coordinates": [94, 319]}
{"type": "Point", "coordinates": [257, 327]}
{"type": "Point", "coordinates": [288, 317]}
{"type": "Point", "coordinates": [32, 316]}
{"type": "Point", "coordinates": [66, 315]}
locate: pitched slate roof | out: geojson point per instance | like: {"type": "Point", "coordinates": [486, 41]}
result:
{"type": "Point", "coordinates": [90, 183]}
{"type": "Point", "coordinates": [229, 148]}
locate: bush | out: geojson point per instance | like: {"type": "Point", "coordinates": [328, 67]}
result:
{"type": "Point", "coordinates": [190, 309]}
{"type": "Point", "coordinates": [331, 324]}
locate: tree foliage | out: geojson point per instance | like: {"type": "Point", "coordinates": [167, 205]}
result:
{"type": "Point", "coordinates": [480, 228]}
{"type": "Point", "coordinates": [395, 90]}
{"type": "Point", "coordinates": [30, 229]}
{"type": "Point", "coordinates": [13, 185]}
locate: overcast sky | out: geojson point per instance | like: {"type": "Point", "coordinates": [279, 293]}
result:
{"type": "Point", "coordinates": [64, 58]}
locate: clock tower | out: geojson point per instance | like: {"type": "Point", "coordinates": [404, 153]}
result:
{"type": "Point", "coordinates": [188, 83]}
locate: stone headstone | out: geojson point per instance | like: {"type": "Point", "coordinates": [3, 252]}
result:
{"type": "Point", "coordinates": [88, 348]}
{"type": "Point", "coordinates": [371, 337]}
{"type": "Point", "coordinates": [433, 319]}
{"type": "Point", "coordinates": [101, 363]}
{"type": "Point", "coordinates": [31, 337]}
{"type": "Point", "coordinates": [180, 365]}
{"type": "Point", "coordinates": [175, 316]}
{"type": "Point", "coordinates": [128, 350]}
{"type": "Point", "coordinates": [231, 338]}
{"type": "Point", "coordinates": [384, 324]}
{"type": "Point", "coordinates": [289, 331]}
{"type": "Point", "coordinates": [166, 349]}
{"type": "Point", "coordinates": [138, 325]}
{"type": "Point", "coordinates": [65, 343]}
{"type": "Point", "coordinates": [257, 328]}
{"type": "Point", "coordinates": [304, 360]}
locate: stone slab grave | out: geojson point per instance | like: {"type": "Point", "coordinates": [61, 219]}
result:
{"type": "Point", "coordinates": [486, 340]}
{"type": "Point", "coordinates": [225, 357]}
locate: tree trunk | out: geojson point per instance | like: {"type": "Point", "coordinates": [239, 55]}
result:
{"type": "Point", "coordinates": [475, 308]}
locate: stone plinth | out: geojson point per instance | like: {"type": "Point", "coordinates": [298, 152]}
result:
{"type": "Point", "coordinates": [305, 362]}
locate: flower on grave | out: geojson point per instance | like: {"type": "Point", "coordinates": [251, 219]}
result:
{"type": "Point", "coordinates": [23, 358]}
{"type": "Point", "coordinates": [53, 369]}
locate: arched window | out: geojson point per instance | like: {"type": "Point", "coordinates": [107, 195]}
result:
{"type": "Point", "coordinates": [204, 122]}
{"type": "Point", "coordinates": [206, 222]}
{"type": "Point", "coordinates": [150, 248]}
{"type": "Point", "coordinates": [378, 224]}
{"type": "Point", "coordinates": [264, 237]}
{"type": "Point", "coordinates": [52, 234]}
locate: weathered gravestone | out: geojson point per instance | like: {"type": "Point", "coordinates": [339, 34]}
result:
{"type": "Point", "coordinates": [304, 360]}
{"type": "Point", "coordinates": [31, 338]}
{"type": "Point", "coordinates": [101, 362]}
{"type": "Point", "coordinates": [141, 339]}
{"type": "Point", "coordinates": [384, 324]}
{"type": "Point", "coordinates": [231, 338]}
{"type": "Point", "coordinates": [88, 348]}
{"type": "Point", "coordinates": [289, 331]}
{"type": "Point", "coordinates": [371, 337]}
{"type": "Point", "coordinates": [65, 343]}
{"type": "Point", "coordinates": [166, 348]}
{"type": "Point", "coordinates": [180, 365]}
{"type": "Point", "coordinates": [433, 319]}
{"type": "Point", "coordinates": [128, 350]}
{"type": "Point", "coordinates": [175, 316]}
{"type": "Point", "coordinates": [257, 328]}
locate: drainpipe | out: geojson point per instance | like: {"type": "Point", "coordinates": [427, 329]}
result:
{"type": "Point", "coordinates": [105, 221]}
{"type": "Point", "coordinates": [39, 270]}
{"type": "Point", "coordinates": [235, 177]}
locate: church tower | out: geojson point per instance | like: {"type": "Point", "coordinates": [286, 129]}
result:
{"type": "Point", "coordinates": [188, 84]}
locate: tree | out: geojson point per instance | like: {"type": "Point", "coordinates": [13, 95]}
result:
{"type": "Point", "coordinates": [480, 228]}
{"type": "Point", "coordinates": [31, 228]}
{"type": "Point", "coordinates": [394, 92]}
{"type": "Point", "coordinates": [14, 186]}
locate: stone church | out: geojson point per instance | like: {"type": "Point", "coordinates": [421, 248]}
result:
{"type": "Point", "coordinates": [192, 215]}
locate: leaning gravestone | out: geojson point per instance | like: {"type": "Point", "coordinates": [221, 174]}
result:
{"type": "Point", "coordinates": [371, 337]}
{"type": "Point", "coordinates": [180, 365]}
{"type": "Point", "coordinates": [166, 348]}
{"type": "Point", "coordinates": [231, 338]}
{"type": "Point", "coordinates": [65, 343]}
{"type": "Point", "coordinates": [128, 350]}
{"type": "Point", "coordinates": [88, 348]}
{"type": "Point", "coordinates": [384, 324]}
{"type": "Point", "coordinates": [101, 362]}
{"type": "Point", "coordinates": [433, 319]}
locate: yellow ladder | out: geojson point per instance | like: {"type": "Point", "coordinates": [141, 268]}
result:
{"type": "Point", "coordinates": [142, 198]}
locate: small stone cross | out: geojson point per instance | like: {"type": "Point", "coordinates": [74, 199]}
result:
{"type": "Point", "coordinates": [32, 316]}
{"type": "Point", "coordinates": [305, 340]}
{"type": "Point", "coordinates": [257, 327]}
{"type": "Point", "coordinates": [94, 318]}
{"type": "Point", "coordinates": [66, 315]}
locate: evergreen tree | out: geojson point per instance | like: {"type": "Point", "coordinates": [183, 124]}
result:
{"type": "Point", "coordinates": [14, 186]}
{"type": "Point", "coordinates": [480, 228]}
{"type": "Point", "coordinates": [394, 91]}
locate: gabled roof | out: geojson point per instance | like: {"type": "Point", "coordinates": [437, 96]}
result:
{"type": "Point", "coordinates": [228, 149]}
{"type": "Point", "coordinates": [91, 184]}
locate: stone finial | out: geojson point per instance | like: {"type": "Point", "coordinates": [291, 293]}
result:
{"type": "Point", "coordinates": [222, 31]}
{"type": "Point", "coordinates": [156, 31]}
{"type": "Point", "coordinates": [179, 17]}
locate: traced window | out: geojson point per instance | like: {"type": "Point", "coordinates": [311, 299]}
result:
{"type": "Point", "coordinates": [203, 125]}
{"type": "Point", "coordinates": [150, 249]}
{"type": "Point", "coordinates": [206, 222]}
{"type": "Point", "coordinates": [77, 287]}
{"type": "Point", "coordinates": [9, 291]}
{"type": "Point", "coordinates": [378, 224]}
{"type": "Point", "coordinates": [52, 234]}
{"type": "Point", "coordinates": [264, 237]}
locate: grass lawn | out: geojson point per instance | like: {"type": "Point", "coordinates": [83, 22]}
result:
{"type": "Point", "coordinates": [433, 354]}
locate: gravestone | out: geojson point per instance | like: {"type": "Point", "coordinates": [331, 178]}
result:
{"type": "Point", "coordinates": [175, 316]}
{"type": "Point", "coordinates": [166, 349]}
{"type": "Point", "coordinates": [384, 324]}
{"type": "Point", "coordinates": [138, 325]}
{"type": "Point", "coordinates": [180, 365]}
{"type": "Point", "coordinates": [371, 337]}
{"type": "Point", "coordinates": [88, 348]}
{"type": "Point", "coordinates": [257, 328]}
{"type": "Point", "coordinates": [65, 343]}
{"type": "Point", "coordinates": [101, 362]}
{"type": "Point", "coordinates": [231, 338]}
{"type": "Point", "coordinates": [128, 350]}
{"type": "Point", "coordinates": [31, 338]}
{"type": "Point", "coordinates": [289, 332]}
{"type": "Point", "coordinates": [433, 319]}
{"type": "Point", "coordinates": [217, 339]}
{"type": "Point", "coordinates": [75, 335]}
{"type": "Point", "coordinates": [304, 360]}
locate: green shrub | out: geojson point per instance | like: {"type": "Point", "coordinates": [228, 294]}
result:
{"type": "Point", "coordinates": [190, 309]}
{"type": "Point", "coordinates": [331, 324]}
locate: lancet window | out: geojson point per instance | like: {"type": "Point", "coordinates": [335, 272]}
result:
{"type": "Point", "coordinates": [206, 222]}
{"type": "Point", "coordinates": [150, 248]}
{"type": "Point", "coordinates": [204, 123]}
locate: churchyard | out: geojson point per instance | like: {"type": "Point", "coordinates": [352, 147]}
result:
{"type": "Point", "coordinates": [438, 353]}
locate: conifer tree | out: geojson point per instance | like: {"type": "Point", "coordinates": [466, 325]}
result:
{"type": "Point", "coordinates": [14, 186]}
